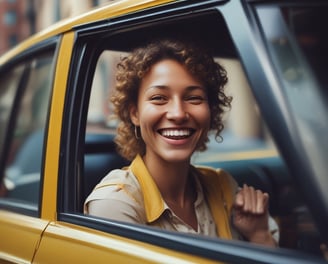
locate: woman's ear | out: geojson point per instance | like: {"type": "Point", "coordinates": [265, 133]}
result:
{"type": "Point", "coordinates": [134, 115]}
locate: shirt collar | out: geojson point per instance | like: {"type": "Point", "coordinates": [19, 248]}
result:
{"type": "Point", "coordinates": [153, 201]}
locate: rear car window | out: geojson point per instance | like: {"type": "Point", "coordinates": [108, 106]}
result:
{"type": "Point", "coordinates": [27, 106]}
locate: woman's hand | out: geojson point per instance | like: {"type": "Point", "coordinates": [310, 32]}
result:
{"type": "Point", "coordinates": [250, 216]}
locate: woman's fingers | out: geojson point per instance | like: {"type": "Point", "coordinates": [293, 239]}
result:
{"type": "Point", "coordinates": [262, 202]}
{"type": "Point", "coordinates": [252, 201]}
{"type": "Point", "coordinates": [239, 200]}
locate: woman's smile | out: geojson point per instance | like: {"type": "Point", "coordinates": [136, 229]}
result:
{"type": "Point", "coordinates": [176, 133]}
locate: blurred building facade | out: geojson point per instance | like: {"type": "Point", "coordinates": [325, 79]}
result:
{"type": "Point", "coordinates": [14, 24]}
{"type": "Point", "coordinates": [22, 18]}
{"type": "Point", "coordinates": [50, 11]}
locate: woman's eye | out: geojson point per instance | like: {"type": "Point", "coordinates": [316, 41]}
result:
{"type": "Point", "coordinates": [158, 99]}
{"type": "Point", "coordinates": [196, 99]}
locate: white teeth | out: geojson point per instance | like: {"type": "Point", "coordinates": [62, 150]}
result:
{"type": "Point", "coordinates": [176, 133]}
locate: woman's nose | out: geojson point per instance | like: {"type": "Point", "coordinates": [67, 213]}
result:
{"type": "Point", "coordinates": [176, 111]}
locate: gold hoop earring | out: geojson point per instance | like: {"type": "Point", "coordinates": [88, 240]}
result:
{"type": "Point", "coordinates": [136, 132]}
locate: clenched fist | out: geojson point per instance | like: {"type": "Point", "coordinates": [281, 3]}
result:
{"type": "Point", "coordinates": [251, 216]}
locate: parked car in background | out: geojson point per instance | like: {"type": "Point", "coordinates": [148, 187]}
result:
{"type": "Point", "coordinates": [57, 129]}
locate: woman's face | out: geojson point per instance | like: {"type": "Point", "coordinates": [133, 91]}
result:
{"type": "Point", "coordinates": [172, 112]}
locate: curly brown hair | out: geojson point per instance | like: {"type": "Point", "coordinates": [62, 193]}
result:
{"type": "Point", "coordinates": [132, 68]}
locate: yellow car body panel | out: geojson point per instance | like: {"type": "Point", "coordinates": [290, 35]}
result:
{"type": "Point", "coordinates": [22, 235]}
{"type": "Point", "coordinates": [74, 244]}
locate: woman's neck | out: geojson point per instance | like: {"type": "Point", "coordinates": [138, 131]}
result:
{"type": "Point", "coordinates": [176, 187]}
{"type": "Point", "coordinates": [172, 179]}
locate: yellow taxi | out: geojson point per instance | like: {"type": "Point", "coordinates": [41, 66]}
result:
{"type": "Point", "coordinates": [57, 129]}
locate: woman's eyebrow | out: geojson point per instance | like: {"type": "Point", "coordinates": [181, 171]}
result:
{"type": "Point", "coordinates": [188, 88]}
{"type": "Point", "coordinates": [196, 87]}
{"type": "Point", "coordinates": [158, 86]}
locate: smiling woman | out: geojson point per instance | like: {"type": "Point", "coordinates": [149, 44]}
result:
{"type": "Point", "coordinates": [173, 93]}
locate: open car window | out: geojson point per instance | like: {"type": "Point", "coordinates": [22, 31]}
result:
{"type": "Point", "coordinates": [247, 150]}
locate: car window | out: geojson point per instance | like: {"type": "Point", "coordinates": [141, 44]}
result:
{"type": "Point", "coordinates": [245, 138]}
{"type": "Point", "coordinates": [247, 151]}
{"type": "Point", "coordinates": [26, 131]}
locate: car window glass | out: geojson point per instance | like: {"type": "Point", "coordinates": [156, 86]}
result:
{"type": "Point", "coordinates": [297, 43]}
{"type": "Point", "coordinates": [24, 163]}
{"type": "Point", "coordinates": [9, 82]}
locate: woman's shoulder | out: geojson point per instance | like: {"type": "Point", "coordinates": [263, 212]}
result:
{"type": "Point", "coordinates": [117, 196]}
{"type": "Point", "coordinates": [120, 177]}
{"type": "Point", "coordinates": [119, 184]}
